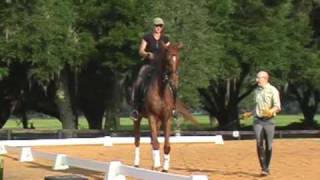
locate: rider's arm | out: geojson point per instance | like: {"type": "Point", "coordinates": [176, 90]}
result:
{"type": "Point", "coordinates": [166, 41]}
{"type": "Point", "coordinates": [142, 49]}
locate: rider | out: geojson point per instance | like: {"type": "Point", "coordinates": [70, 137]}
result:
{"type": "Point", "coordinates": [149, 47]}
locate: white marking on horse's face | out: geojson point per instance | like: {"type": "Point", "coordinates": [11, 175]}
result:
{"type": "Point", "coordinates": [173, 62]}
{"type": "Point", "coordinates": [174, 58]}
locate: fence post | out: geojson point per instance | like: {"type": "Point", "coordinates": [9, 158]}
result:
{"type": "Point", "coordinates": [199, 177]}
{"type": "Point", "coordinates": [9, 134]}
{"type": "Point", "coordinates": [113, 171]}
{"type": "Point", "coordinates": [26, 155]}
{"type": "Point", "coordinates": [219, 139]}
{"type": "Point", "coordinates": [3, 149]}
{"type": "Point", "coordinates": [107, 141]}
{"type": "Point", "coordinates": [61, 162]}
{"type": "Point", "coordinates": [60, 134]}
{"type": "Point", "coordinates": [236, 134]}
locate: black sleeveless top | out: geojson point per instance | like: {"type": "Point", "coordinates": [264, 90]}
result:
{"type": "Point", "coordinates": [153, 45]}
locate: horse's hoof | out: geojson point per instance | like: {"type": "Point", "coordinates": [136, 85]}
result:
{"type": "Point", "coordinates": [136, 166]}
{"type": "Point", "coordinates": [165, 171]}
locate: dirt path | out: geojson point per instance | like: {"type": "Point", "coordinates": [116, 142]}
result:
{"type": "Point", "coordinates": [293, 159]}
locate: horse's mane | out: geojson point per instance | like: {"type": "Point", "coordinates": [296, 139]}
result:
{"type": "Point", "coordinates": [157, 68]}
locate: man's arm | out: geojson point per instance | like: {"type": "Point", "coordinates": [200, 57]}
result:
{"type": "Point", "coordinates": [276, 102]}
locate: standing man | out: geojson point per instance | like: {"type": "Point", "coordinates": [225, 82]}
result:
{"type": "Point", "coordinates": [267, 106]}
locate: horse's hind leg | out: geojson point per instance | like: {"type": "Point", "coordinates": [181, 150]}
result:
{"type": "Point", "coordinates": [155, 143]}
{"type": "Point", "coordinates": [167, 148]}
{"type": "Point", "coordinates": [137, 135]}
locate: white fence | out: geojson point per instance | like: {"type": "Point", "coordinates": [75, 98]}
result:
{"type": "Point", "coordinates": [108, 141]}
{"type": "Point", "coordinates": [113, 170]}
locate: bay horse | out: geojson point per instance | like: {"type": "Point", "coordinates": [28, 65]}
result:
{"type": "Point", "coordinates": [158, 103]}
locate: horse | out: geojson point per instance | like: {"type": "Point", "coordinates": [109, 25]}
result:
{"type": "Point", "coordinates": [159, 102]}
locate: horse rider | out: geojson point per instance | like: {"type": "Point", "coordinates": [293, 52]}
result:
{"type": "Point", "coordinates": [149, 48]}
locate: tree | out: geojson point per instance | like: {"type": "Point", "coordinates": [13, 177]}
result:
{"type": "Point", "coordinates": [41, 35]}
{"type": "Point", "coordinates": [303, 77]}
{"type": "Point", "coordinates": [115, 26]}
{"type": "Point", "coordinates": [258, 35]}
{"type": "Point", "coordinates": [13, 71]}
{"type": "Point", "coordinates": [57, 49]}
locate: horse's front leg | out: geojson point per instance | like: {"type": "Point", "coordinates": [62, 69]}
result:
{"type": "Point", "coordinates": [137, 135]}
{"type": "Point", "coordinates": [155, 143]}
{"type": "Point", "coordinates": [167, 148]}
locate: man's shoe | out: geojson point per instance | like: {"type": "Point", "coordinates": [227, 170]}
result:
{"type": "Point", "coordinates": [134, 115]}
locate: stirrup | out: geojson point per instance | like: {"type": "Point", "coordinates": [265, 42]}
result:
{"type": "Point", "coordinates": [134, 115]}
{"type": "Point", "coordinates": [174, 114]}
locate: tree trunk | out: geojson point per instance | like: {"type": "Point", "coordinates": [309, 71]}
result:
{"type": "Point", "coordinates": [228, 118]}
{"type": "Point", "coordinates": [63, 101]}
{"type": "Point", "coordinates": [24, 120]}
{"type": "Point", "coordinates": [94, 114]}
{"type": "Point", "coordinates": [308, 99]}
{"type": "Point", "coordinates": [4, 112]}
{"type": "Point", "coordinates": [221, 100]}
{"type": "Point", "coordinates": [93, 90]}
{"type": "Point", "coordinates": [213, 120]}
{"type": "Point", "coordinates": [309, 109]}
{"type": "Point", "coordinates": [222, 97]}
{"type": "Point", "coordinates": [112, 119]}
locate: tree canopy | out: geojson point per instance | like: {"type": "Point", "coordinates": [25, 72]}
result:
{"type": "Point", "coordinates": [68, 57]}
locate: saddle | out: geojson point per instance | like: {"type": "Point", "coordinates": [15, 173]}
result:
{"type": "Point", "coordinates": [142, 90]}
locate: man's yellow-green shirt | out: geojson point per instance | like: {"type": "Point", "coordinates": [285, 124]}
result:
{"type": "Point", "coordinates": [266, 98]}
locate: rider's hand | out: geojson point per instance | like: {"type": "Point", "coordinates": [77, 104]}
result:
{"type": "Point", "coordinates": [150, 55]}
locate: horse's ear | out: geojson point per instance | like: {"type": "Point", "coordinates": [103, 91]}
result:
{"type": "Point", "coordinates": [180, 45]}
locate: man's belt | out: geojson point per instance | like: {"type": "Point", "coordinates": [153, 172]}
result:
{"type": "Point", "coordinates": [263, 118]}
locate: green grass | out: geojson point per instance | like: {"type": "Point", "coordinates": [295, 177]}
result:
{"type": "Point", "coordinates": [282, 121]}
{"type": "Point", "coordinates": [44, 123]}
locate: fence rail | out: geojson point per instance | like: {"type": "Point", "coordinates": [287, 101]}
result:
{"type": "Point", "coordinates": [113, 170]}
{"type": "Point", "coordinates": [15, 134]}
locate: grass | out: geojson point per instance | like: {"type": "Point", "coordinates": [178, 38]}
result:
{"type": "Point", "coordinates": [42, 123]}
{"type": "Point", "coordinates": [282, 122]}
{"type": "Point", "coordinates": [285, 122]}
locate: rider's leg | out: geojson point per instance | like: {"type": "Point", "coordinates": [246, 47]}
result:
{"type": "Point", "coordinates": [135, 94]}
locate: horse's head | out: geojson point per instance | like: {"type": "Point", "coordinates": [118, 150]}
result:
{"type": "Point", "coordinates": [172, 62]}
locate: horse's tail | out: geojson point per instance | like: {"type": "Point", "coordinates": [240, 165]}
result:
{"type": "Point", "coordinates": [183, 109]}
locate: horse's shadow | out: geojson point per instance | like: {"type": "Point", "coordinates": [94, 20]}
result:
{"type": "Point", "coordinates": [217, 171]}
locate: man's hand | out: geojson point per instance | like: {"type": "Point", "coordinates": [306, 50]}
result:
{"type": "Point", "coordinates": [268, 113]}
{"type": "Point", "coordinates": [246, 115]}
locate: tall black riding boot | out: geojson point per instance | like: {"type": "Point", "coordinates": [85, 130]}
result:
{"type": "Point", "coordinates": [268, 158]}
{"type": "Point", "coordinates": [134, 115]}
{"type": "Point", "coordinates": [262, 157]}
